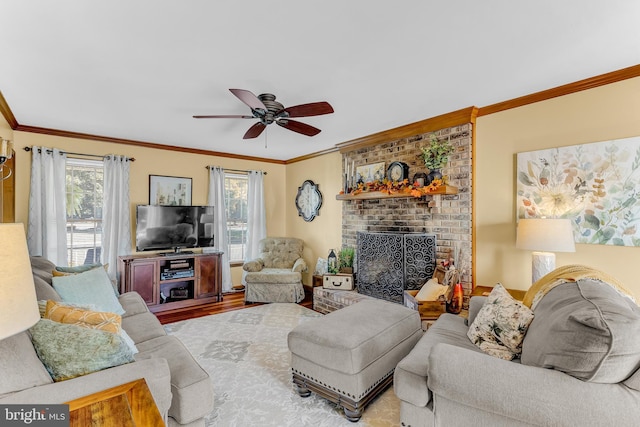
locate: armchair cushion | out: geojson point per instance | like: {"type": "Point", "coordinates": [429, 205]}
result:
{"type": "Point", "coordinates": [280, 252]}
{"type": "Point", "coordinates": [253, 265]}
{"type": "Point", "coordinates": [274, 275]}
{"type": "Point", "coordinates": [585, 329]}
{"type": "Point", "coordinates": [300, 266]}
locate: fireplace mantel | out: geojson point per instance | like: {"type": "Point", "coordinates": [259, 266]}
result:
{"type": "Point", "coordinates": [367, 195]}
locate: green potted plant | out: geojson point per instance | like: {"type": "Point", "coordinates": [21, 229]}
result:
{"type": "Point", "coordinates": [436, 156]}
{"type": "Point", "coordinates": [346, 256]}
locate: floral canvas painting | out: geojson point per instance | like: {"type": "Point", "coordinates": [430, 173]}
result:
{"type": "Point", "coordinates": [595, 185]}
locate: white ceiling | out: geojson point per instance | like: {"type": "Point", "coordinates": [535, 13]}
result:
{"type": "Point", "coordinates": [139, 70]}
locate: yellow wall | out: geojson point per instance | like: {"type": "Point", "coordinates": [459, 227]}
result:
{"type": "Point", "coordinates": [154, 162]}
{"type": "Point", "coordinates": [325, 231]}
{"type": "Point", "coordinates": [600, 114]}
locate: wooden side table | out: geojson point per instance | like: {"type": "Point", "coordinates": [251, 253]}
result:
{"type": "Point", "coordinates": [315, 282]}
{"type": "Point", "coordinates": [126, 405]}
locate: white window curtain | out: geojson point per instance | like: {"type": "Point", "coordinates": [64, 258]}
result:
{"type": "Point", "coordinates": [256, 214]}
{"type": "Point", "coordinates": [47, 231]}
{"type": "Point", "coordinates": [116, 217]}
{"type": "Point", "coordinates": [220, 232]}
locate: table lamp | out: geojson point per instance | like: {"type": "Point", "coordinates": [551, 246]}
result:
{"type": "Point", "coordinates": [18, 303]}
{"type": "Point", "coordinates": [544, 236]}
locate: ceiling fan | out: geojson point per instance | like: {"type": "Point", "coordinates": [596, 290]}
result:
{"type": "Point", "coordinates": [267, 110]}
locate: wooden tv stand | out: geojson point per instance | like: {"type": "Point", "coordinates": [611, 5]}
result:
{"type": "Point", "coordinates": [171, 281]}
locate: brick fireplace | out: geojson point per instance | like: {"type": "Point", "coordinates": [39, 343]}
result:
{"type": "Point", "coordinates": [448, 217]}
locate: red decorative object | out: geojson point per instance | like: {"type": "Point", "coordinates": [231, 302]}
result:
{"type": "Point", "coordinates": [457, 298]}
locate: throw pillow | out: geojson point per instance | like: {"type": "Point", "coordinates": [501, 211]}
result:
{"type": "Point", "coordinates": [69, 351]}
{"type": "Point", "coordinates": [86, 317]}
{"type": "Point", "coordinates": [501, 324]}
{"type": "Point", "coordinates": [68, 271]}
{"type": "Point", "coordinates": [431, 291]}
{"type": "Point", "coordinates": [42, 306]}
{"type": "Point", "coordinates": [586, 329]}
{"type": "Point", "coordinates": [59, 270]}
{"type": "Point", "coordinates": [104, 321]}
{"type": "Point", "coordinates": [90, 287]}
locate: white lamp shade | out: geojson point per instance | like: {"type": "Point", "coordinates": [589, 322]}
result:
{"type": "Point", "coordinates": [18, 304]}
{"type": "Point", "coordinates": [545, 234]}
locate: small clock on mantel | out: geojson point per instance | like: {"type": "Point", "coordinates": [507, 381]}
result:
{"type": "Point", "coordinates": [398, 171]}
{"type": "Point", "coordinates": [308, 200]}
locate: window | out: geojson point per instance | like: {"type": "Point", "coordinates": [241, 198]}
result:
{"type": "Point", "coordinates": [235, 189]}
{"type": "Point", "coordinates": [84, 210]}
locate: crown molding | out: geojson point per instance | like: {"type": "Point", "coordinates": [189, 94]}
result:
{"type": "Point", "coordinates": [455, 118]}
{"type": "Point", "coordinates": [79, 135]}
{"type": "Point", "coordinates": [590, 83]}
{"type": "Point", "coordinates": [311, 156]}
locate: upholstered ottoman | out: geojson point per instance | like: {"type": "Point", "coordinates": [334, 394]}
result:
{"type": "Point", "coordinates": [348, 356]}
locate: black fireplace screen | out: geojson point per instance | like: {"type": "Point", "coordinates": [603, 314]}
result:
{"type": "Point", "coordinates": [389, 263]}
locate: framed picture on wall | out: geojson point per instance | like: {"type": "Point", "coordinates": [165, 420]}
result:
{"type": "Point", "coordinates": [169, 190]}
{"type": "Point", "coordinates": [371, 172]}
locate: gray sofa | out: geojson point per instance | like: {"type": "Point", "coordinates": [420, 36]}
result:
{"type": "Point", "coordinates": [579, 367]}
{"type": "Point", "coordinates": [181, 389]}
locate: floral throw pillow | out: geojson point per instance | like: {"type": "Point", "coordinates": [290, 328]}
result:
{"type": "Point", "coordinates": [500, 325]}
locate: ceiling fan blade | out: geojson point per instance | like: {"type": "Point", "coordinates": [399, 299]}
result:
{"type": "Point", "coordinates": [311, 109]}
{"type": "Point", "coordinates": [299, 127]}
{"type": "Point", "coordinates": [225, 116]}
{"type": "Point", "coordinates": [254, 131]}
{"type": "Point", "coordinates": [249, 98]}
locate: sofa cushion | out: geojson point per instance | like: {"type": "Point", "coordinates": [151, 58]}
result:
{"type": "Point", "coordinates": [42, 267]}
{"type": "Point", "coordinates": [500, 325]}
{"type": "Point", "coordinates": [20, 366]}
{"type": "Point", "coordinates": [69, 351]}
{"type": "Point", "coordinates": [586, 329]}
{"type": "Point", "coordinates": [44, 290]}
{"type": "Point", "coordinates": [143, 327]}
{"type": "Point", "coordinates": [90, 287]}
{"type": "Point", "coordinates": [410, 376]}
{"type": "Point", "coordinates": [132, 303]}
{"type": "Point", "coordinates": [190, 384]}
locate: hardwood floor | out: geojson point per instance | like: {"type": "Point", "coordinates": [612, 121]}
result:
{"type": "Point", "coordinates": [230, 302]}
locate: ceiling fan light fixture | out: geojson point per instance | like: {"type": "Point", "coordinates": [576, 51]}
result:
{"type": "Point", "coordinates": [267, 110]}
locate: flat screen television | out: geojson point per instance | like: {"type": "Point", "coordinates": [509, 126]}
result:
{"type": "Point", "coordinates": [173, 227]}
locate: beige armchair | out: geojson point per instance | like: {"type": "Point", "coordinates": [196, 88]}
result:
{"type": "Point", "coordinates": [276, 275]}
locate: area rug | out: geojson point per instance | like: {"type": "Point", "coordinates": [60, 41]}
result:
{"type": "Point", "coordinates": [245, 352]}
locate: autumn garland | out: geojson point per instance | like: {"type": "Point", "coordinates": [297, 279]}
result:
{"type": "Point", "coordinates": [393, 187]}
